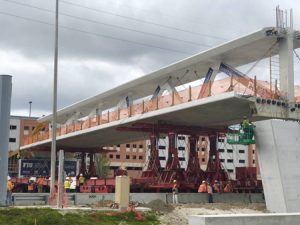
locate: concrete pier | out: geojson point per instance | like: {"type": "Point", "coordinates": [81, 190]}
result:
{"type": "Point", "coordinates": [278, 147]}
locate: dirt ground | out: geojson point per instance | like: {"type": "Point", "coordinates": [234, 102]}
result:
{"type": "Point", "coordinates": [178, 214]}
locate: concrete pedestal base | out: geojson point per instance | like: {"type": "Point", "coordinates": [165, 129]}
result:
{"type": "Point", "coordinates": [249, 219]}
{"type": "Point", "coordinates": [278, 147]}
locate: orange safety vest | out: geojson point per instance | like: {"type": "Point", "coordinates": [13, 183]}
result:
{"type": "Point", "coordinates": [30, 187]}
{"type": "Point", "coordinates": [202, 188]}
{"type": "Point", "coordinates": [40, 181]}
{"type": "Point", "coordinates": [10, 186]}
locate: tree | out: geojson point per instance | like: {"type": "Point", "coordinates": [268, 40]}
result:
{"type": "Point", "coordinates": [102, 165]}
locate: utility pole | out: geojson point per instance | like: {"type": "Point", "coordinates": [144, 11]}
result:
{"type": "Point", "coordinates": [53, 144]}
{"type": "Point", "coordinates": [30, 102]}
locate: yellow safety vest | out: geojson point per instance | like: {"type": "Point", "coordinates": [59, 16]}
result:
{"type": "Point", "coordinates": [67, 184]}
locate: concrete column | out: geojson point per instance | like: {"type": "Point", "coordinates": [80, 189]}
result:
{"type": "Point", "coordinates": [277, 144]}
{"type": "Point", "coordinates": [122, 192]}
{"type": "Point", "coordinates": [5, 99]}
{"type": "Point", "coordinates": [61, 159]}
{"type": "Point", "coordinates": [286, 63]}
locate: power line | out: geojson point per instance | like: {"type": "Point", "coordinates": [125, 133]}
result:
{"type": "Point", "coordinates": [96, 34]}
{"type": "Point", "coordinates": [106, 24]}
{"type": "Point", "coordinates": [193, 19]}
{"type": "Point", "coordinates": [141, 21]}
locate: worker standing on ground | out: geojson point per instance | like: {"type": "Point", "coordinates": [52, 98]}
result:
{"type": "Point", "coordinates": [81, 180]}
{"type": "Point", "coordinates": [72, 184]}
{"type": "Point", "coordinates": [67, 184]}
{"type": "Point", "coordinates": [40, 183]}
{"type": "Point", "coordinates": [9, 187]}
{"type": "Point", "coordinates": [202, 188]}
{"type": "Point", "coordinates": [30, 187]}
{"type": "Point", "coordinates": [210, 193]}
{"type": "Point", "coordinates": [175, 192]}
{"type": "Point", "coordinates": [216, 187]}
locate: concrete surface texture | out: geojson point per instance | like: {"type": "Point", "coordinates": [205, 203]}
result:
{"type": "Point", "coordinates": [5, 99]}
{"type": "Point", "coordinates": [94, 198]}
{"type": "Point", "coordinates": [277, 144]}
{"type": "Point", "coordinates": [253, 219]}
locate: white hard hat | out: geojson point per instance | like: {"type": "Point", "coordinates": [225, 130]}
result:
{"type": "Point", "coordinates": [8, 178]}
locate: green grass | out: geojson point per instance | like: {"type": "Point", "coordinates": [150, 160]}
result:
{"type": "Point", "coordinates": [48, 216]}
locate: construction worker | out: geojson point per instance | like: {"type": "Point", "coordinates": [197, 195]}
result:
{"type": "Point", "coordinates": [81, 180]}
{"type": "Point", "coordinates": [9, 187]}
{"type": "Point", "coordinates": [216, 187]}
{"type": "Point", "coordinates": [210, 193]}
{"type": "Point", "coordinates": [245, 123]}
{"type": "Point", "coordinates": [72, 184]}
{"type": "Point", "coordinates": [31, 185]}
{"type": "Point", "coordinates": [67, 184]}
{"type": "Point", "coordinates": [40, 183]}
{"type": "Point", "coordinates": [202, 188]}
{"type": "Point", "coordinates": [175, 192]}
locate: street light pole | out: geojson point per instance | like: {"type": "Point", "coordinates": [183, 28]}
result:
{"type": "Point", "coordinates": [53, 144]}
{"type": "Point", "coordinates": [30, 102]}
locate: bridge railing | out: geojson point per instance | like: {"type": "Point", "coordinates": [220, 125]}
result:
{"type": "Point", "coordinates": [145, 106]}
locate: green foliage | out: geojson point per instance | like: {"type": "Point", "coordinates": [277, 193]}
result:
{"type": "Point", "coordinates": [47, 216]}
{"type": "Point", "coordinates": [102, 165]}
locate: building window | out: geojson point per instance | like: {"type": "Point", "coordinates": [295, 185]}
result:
{"type": "Point", "coordinates": [230, 160]}
{"type": "Point", "coordinates": [134, 157]}
{"type": "Point", "coordinates": [181, 158]}
{"type": "Point", "coordinates": [222, 160]}
{"type": "Point", "coordinates": [203, 139]}
{"type": "Point", "coordinates": [134, 145]}
{"type": "Point", "coordinates": [117, 156]}
{"type": "Point", "coordinates": [241, 161]}
{"type": "Point", "coordinates": [253, 151]}
{"type": "Point", "coordinates": [203, 149]}
{"type": "Point", "coordinates": [26, 130]}
{"type": "Point", "coordinates": [12, 127]}
{"type": "Point", "coordinates": [230, 171]}
{"type": "Point", "coordinates": [220, 140]}
{"type": "Point", "coordinates": [162, 158]}
{"type": "Point", "coordinates": [241, 151]}
{"type": "Point", "coordinates": [111, 156]}
{"type": "Point", "coordinates": [181, 148]}
{"type": "Point", "coordinates": [181, 137]}
{"type": "Point", "coordinates": [12, 140]}
{"type": "Point", "coordinates": [229, 151]}
{"type": "Point", "coordinates": [141, 146]}
{"type": "Point", "coordinates": [32, 128]}
{"type": "Point", "coordinates": [118, 145]}
{"type": "Point", "coordinates": [253, 161]}
{"type": "Point", "coordinates": [127, 145]}
{"type": "Point", "coordinates": [127, 157]}
{"type": "Point", "coordinates": [161, 147]}
{"type": "Point", "coordinates": [140, 157]}
{"type": "Point", "coordinates": [221, 150]}
{"type": "Point", "coordinates": [203, 160]}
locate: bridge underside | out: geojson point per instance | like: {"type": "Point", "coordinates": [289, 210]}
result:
{"type": "Point", "coordinates": [215, 112]}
